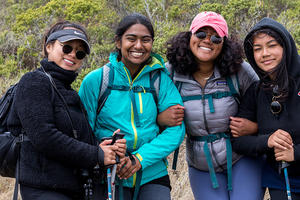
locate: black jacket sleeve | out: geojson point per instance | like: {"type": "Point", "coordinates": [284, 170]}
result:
{"type": "Point", "coordinates": [297, 152]}
{"type": "Point", "coordinates": [36, 114]}
{"type": "Point", "coordinates": [251, 145]}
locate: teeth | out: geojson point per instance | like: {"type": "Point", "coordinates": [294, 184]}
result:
{"type": "Point", "coordinates": [204, 48]}
{"type": "Point", "coordinates": [136, 54]}
{"type": "Point", "coordinates": [69, 61]}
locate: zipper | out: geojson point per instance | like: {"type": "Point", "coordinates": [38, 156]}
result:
{"type": "Point", "coordinates": [206, 126]}
{"type": "Point", "coordinates": [132, 114]}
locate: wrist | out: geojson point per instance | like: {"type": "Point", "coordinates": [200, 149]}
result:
{"type": "Point", "coordinates": [100, 157]}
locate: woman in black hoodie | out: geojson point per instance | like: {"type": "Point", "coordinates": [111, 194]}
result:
{"type": "Point", "coordinates": [52, 161]}
{"type": "Point", "coordinates": [274, 103]}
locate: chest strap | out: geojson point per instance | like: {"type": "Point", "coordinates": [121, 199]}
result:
{"type": "Point", "coordinates": [209, 97]}
{"type": "Point", "coordinates": [132, 90]}
{"type": "Point", "coordinates": [209, 139]}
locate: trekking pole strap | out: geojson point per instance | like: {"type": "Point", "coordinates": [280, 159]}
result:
{"type": "Point", "coordinates": [139, 175]}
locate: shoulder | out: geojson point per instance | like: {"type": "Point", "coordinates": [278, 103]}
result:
{"type": "Point", "coordinates": [246, 76]}
{"type": "Point", "coordinates": [93, 76]}
{"type": "Point", "coordinates": [32, 85]}
{"type": "Point", "coordinates": [35, 78]}
{"type": "Point", "coordinates": [169, 67]}
{"type": "Point", "coordinates": [253, 89]}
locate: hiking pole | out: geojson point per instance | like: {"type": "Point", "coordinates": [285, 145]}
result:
{"type": "Point", "coordinates": [113, 183]}
{"type": "Point", "coordinates": [284, 166]}
{"type": "Point", "coordinates": [109, 183]}
{"type": "Point", "coordinates": [111, 171]}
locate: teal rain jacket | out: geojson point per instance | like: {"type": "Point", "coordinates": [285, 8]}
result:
{"type": "Point", "coordinates": [144, 141]}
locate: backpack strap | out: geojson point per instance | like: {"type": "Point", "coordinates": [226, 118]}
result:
{"type": "Point", "coordinates": [155, 77]}
{"type": "Point", "coordinates": [178, 85]}
{"type": "Point", "coordinates": [234, 91]}
{"type": "Point", "coordinates": [104, 90]}
{"type": "Point", "coordinates": [65, 105]}
{"type": "Point", "coordinates": [209, 139]}
{"type": "Point", "coordinates": [233, 84]}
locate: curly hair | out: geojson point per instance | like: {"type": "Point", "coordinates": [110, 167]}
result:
{"type": "Point", "coordinates": [183, 60]}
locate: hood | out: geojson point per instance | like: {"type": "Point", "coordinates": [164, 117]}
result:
{"type": "Point", "coordinates": [292, 56]}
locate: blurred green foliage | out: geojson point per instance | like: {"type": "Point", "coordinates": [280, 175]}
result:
{"type": "Point", "coordinates": [23, 23]}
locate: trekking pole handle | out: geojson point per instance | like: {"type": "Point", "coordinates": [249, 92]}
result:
{"type": "Point", "coordinates": [116, 137]}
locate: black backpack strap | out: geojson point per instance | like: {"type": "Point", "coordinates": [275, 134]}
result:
{"type": "Point", "coordinates": [64, 102]}
{"type": "Point", "coordinates": [178, 85]}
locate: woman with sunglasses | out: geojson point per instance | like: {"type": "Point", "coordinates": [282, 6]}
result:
{"type": "Point", "coordinates": [273, 103]}
{"type": "Point", "coordinates": [61, 146]}
{"type": "Point", "coordinates": [132, 108]}
{"type": "Point", "coordinates": [208, 68]}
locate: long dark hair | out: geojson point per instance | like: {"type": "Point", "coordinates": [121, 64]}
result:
{"type": "Point", "coordinates": [183, 60]}
{"type": "Point", "coordinates": [280, 73]}
{"type": "Point", "coordinates": [127, 22]}
{"type": "Point", "coordinates": [60, 26]}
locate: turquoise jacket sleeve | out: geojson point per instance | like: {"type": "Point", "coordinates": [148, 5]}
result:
{"type": "Point", "coordinates": [171, 138]}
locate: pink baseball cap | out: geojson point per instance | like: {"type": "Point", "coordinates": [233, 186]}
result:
{"type": "Point", "coordinates": [211, 19]}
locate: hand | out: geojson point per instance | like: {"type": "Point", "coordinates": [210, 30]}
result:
{"type": "Point", "coordinates": [241, 126]}
{"type": "Point", "coordinates": [284, 155]}
{"type": "Point", "coordinates": [121, 146]}
{"type": "Point", "coordinates": [127, 169]}
{"type": "Point", "coordinates": [172, 116]}
{"type": "Point", "coordinates": [109, 152]}
{"type": "Point", "coordinates": [280, 139]}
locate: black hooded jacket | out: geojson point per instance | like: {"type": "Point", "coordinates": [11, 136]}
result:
{"type": "Point", "coordinates": [52, 158]}
{"type": "Point", "coordinates": [255, 105]}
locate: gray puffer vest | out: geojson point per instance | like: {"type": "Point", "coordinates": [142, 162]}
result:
{"type": "Point", "coordinates": [207, 116]}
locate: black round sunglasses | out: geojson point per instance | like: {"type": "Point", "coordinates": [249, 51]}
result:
{"type": "Point", "coordinates": [68, 49]}
{"type": "Point", "coordinates": [213, 38]}
{"type": "Point", "coordinates": [275, 106]}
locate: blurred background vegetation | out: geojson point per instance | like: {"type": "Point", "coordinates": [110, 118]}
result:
{"type": "Point", "coordinates": [23, 23]}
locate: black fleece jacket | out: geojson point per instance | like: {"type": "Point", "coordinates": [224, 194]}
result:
{"type": "Point", "coordinates": [256, 105]}
{"type": "Point", "coordinates": [52, 157]}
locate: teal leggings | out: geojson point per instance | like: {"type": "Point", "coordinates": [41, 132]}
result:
{"type": "Point", "coordinates": [246, 182]}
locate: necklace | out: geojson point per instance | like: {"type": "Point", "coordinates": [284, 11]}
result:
{"type": "Point", "coordinates": [206, 77]}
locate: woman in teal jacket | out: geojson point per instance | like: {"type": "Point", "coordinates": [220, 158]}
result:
{"type": "Point", "coordinates": [131, 107]}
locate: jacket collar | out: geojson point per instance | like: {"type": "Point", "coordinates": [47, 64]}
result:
{"type": "Point", "coordinates": [157, 63]}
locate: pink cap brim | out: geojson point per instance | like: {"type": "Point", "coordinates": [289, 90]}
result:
{"type": "Point", "coordinates": [215, 27]}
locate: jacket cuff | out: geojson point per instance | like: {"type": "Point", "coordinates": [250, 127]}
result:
{"type": "Point", "coordinates": [100, 157]}
{"type": "Point", "coordinates": [263, 144]}
{"type": "Point", "coordinates": [297, 152]}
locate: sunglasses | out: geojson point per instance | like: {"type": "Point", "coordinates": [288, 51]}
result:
{"type": "Point", "coordinates": [68, 49]}
{"type": "Point", "coordinates": [276, 106]}
{"type": "Point", "coordinates": [213, 38]}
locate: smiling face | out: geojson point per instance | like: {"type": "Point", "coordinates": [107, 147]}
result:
{"type": "Point", "coordinates": [204, 50]}
{"type": "Point", "coordinates": [135, 45]}
{"type": "Point", "coordinates": [65, 61]}
{"type": "Point", "coordinates": [267, 51]}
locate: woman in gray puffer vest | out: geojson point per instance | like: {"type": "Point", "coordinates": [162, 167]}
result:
{"type": "Point", "coordinates": [208, 69]}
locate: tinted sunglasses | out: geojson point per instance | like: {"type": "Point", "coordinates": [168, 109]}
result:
{"type": "Point", "coordinates": [68, 49]}
{"type": "Point", "coordinates": [276, 106]}
{"type": "Point", "coordinates": [213, 38]}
